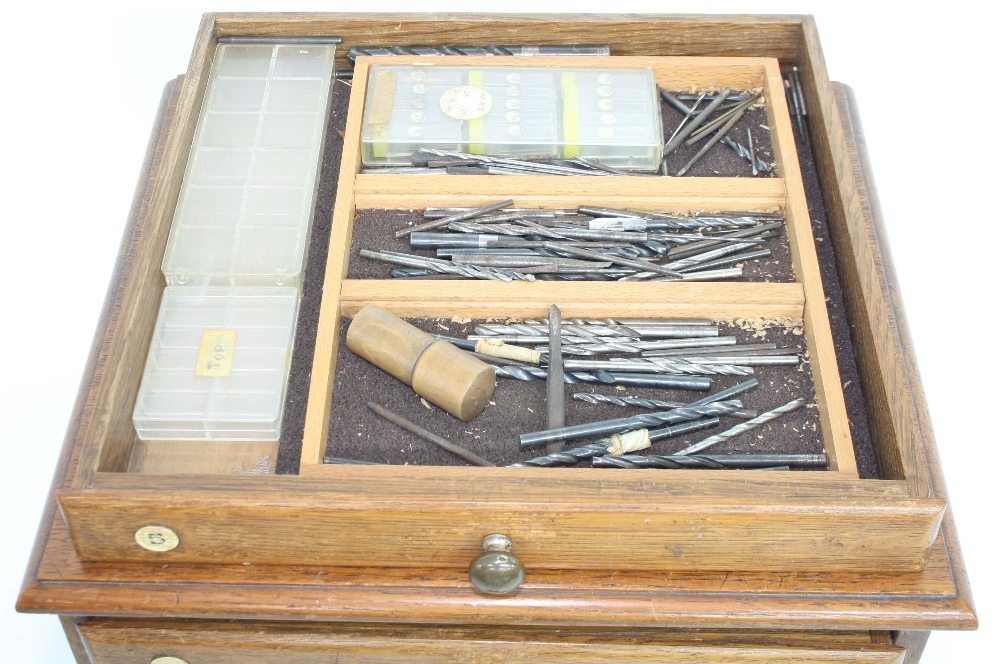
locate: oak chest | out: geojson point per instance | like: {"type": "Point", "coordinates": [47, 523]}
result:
{"type": "Point", "coordinates": [206, 552]}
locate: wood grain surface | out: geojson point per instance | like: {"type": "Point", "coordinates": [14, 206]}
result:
{"type": "Point", "coordinates": [421, 516]}
{"type": "Point", "coordinates": [126, 642]}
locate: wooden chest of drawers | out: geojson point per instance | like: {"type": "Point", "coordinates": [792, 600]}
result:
{"type": "Point", "coordinates": [372, 566]}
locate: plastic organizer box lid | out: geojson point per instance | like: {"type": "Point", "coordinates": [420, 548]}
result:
{"type": "Point", "coordinates": [608, 114]}
{"type": "Point", "coordinates": [246, 203]}
{"type": "Point", "coordinates": [218, 363]}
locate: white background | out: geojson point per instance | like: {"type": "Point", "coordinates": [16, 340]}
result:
{"type": "Point", "coordinates": [80, 92]}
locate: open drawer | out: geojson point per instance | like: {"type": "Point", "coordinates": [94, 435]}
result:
{"type": "Point", "coordinates": [435, 517]}
{"type": "Point", "coordinates": [623, 547]}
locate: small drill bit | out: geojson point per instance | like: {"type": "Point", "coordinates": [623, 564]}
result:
{"type": "Point", "coordinates": [725, 260]}
{"type": "Point", "coordinates": [745, 154]}
{"type": "Point", "coordinates": [449, 267]}
{"type": "Point", "coordinates": [742, 427]}
{"type": "Point", "coordinates": [746, 461]}
{"type": "Point", "coordinates": [753, 160]}
{"type": "Point", "coordinates": [711, 142]}
{"type": "Point", "coordinates": [438, 223]}
{"type": "Point", "coordinates": [417, 430]}
{"type": "Point", "coordinates": [555, 395]}
{"type": "Point", "coordinates": [687, 116]}
{"type": "Point", "coordinates": [709, 127]}
{"type": "Point", "coordinates": [699, 247]}
{"type": "Point", "coordinates": [696, 122]}
{"type": "Point", "coordinates": [799, 93]}
{"type": "Point", "coordinates": [350, 462]}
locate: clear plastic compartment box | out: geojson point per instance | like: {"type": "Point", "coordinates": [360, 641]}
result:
{"type": "Point", "coordinates": [245, 208]}
{"type": "Point", "coordinates": [608, 114]}
{"type": "Point", "coordinates": [218, 363]}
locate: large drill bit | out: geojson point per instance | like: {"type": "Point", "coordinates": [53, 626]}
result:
{"type": "Point", "coordinates": [653, 404]}
{"type": "Point", "coordinates": [489, 49]}
{"type": "Point", "coordinates": [711, 461]}
{"type": "Point", "coordinates": [446, 267]}
{"type": "Point", "coordinates": [742, 427]}
{"type": "Point", "coordinates": [621, 424]}
{"type": "Point", "coordinates": [574, 456]}
{"type": "Point", "coordinates": [659, 365]}
{"type": "Point", "coordinates": [594, 331]}
{"type": "Point", "coordinates": [699, 383]}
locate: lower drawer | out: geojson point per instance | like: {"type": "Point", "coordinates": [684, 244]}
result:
{"type": "Point", "coordinates": [110, 641]}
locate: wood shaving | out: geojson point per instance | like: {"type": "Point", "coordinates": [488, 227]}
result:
{"type": "Point", "coordinates": [460, 321]}
{"type": "Point", "coordinates": [426, 405]}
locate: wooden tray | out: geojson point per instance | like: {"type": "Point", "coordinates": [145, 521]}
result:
{"type": "Point", "coordinates": [871, 549]}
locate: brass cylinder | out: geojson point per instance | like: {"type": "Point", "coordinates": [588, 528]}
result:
{"type": "Point", "coordinates": [446, 376]}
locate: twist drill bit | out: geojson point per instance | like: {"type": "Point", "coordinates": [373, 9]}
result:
{"type": "Point", "coordinates": [745, 154]}
{"type": "Point", "coordinates": [726, 260]}
{"type": "Point", "coordinates": [621, 424]}
{"type": "Point", "coordinates": [528, 374]}
{"type": "Point", "coordinates": [742, 427]}
{"type": "Point", "coordinates": [659, 221]}
{"type": "Point", "coordinates": [590, 397]}
{"type": "Point", "coordinates": [461, 216]}
{"type": "Point", "coordinates": [566, 457]}
{"type": "Point", "coordinates": [574, 456]}
{"type": "Point", "coordinates": [514, 163]}
{"type": "Point", "coordinates": [447, 267]}
{"type": "Point", "coordinates": [760, 461]}
{"type": "Point", "coordinates": [753, 160]}
{"type": "Point", "coordinates": [659, 365]}
{"type": "Point", "coordinates": [711, 142]}
{"type": "Point", "coordinates": [653, 404]}
{"type": "Point", "coordinates": [524, 50]}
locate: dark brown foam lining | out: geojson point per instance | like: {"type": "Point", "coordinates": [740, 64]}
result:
{"type": "Point", "coordinates": [519, 407]}
{"type": "Point", "coordinates": [720, 160]}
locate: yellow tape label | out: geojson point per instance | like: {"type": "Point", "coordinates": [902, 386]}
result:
{"type": "Point", "coordinates": [215, 353]}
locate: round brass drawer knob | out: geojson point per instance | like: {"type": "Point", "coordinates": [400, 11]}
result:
{"type": "Point", "coordinates": [496, 571]}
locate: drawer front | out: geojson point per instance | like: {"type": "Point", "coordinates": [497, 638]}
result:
{"type": "Point", "coordinates": [203, 642]}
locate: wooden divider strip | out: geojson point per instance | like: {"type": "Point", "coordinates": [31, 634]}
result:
{"type": "Point", "coordinates": [819, 337]}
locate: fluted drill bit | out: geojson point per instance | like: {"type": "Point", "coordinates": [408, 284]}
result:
{"type": "Point", "coordinates": [621, 424]}
{"type": "Point", "coordinates": [446, 267]}
{"type": "Point", "coordinates": [742, 427]}
{"type": "Point", "coordinates": [574, 456]}
{"type": "Point", "coordinates": [490, 49]}
{"type": "Point", "coordinates": [720, 461]}
{"type": "Point", "coordinates": [528, 374]}
{"type": "Point", "coordinates": [659, 365]}
{"type": "Point", "coordinates": [653, 404]}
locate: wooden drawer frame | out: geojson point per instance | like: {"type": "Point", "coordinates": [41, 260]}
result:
{"type": "Point", "coordinates": [96, 502]}
{"type": "Point", "coordinates": [115, 641]}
